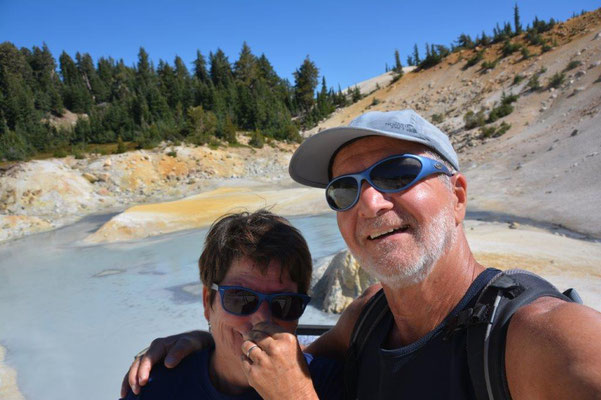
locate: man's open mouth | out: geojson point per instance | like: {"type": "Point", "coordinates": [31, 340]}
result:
{"type": "Point", "coordinates": [388, 232]}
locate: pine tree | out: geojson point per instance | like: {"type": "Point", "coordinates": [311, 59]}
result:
{"type": "Point", "coordinates": [516, 20]}
{"type": "Point", "coordinates": [416, 59]}
{"type": "Point", "coordinates": [47, 85]}
{"type": "Point", "coordinates": [465, 41]}
{"type": "Point", "coordinates": [200, 68]}
{"type": "Point", "coordinates": [245, 69]}
{"type": "Point", "coordinates": [221, 72]}
{"type": "Point", "coordinates": [183, 84]}
{"type": "Point", "coordinates": [76, 95]}
{"type": "Point", "coordinates": [398, 67]}
{"type": "Point", "coordinates": [144, 71]}
{"type": "Point", "coordinates": [305, 79]}
{"type": "Point", "coordinates": [325, 104]}
{"type": "Point", "coordinates": [93, 83]}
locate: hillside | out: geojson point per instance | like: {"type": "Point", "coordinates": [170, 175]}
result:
{"type": "Point", "coordinates": [544, 168]}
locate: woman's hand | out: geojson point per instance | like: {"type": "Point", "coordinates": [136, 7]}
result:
{"type": "Point", "coordinates": [275, 365]}
{"type": "Point", "coordinates": [173, 349]}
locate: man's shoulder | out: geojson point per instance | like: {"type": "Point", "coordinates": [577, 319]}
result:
{"type": "Point", "coordinates": [554, 344]}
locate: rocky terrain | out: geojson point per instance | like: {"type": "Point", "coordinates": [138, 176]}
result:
{"type": "Point", "coordinates": [41, 195]}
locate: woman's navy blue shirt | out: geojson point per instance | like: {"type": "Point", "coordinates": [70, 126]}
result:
{"type": "Point", "coordinates": [190, 380]}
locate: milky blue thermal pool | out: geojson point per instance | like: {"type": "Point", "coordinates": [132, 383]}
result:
{"type": "Point", "coordinates": [73, 316]}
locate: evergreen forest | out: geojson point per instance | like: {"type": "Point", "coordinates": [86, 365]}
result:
{"type": "Point", "coordinates": [145, 104]}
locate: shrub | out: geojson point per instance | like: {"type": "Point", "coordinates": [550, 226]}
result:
{"type": "Point", "coordinates": [486, 65]}
{"type": "Point", "coordinates": [573, 64]}
{"type": "Point", "coordinates": [375, 101]}
{"type": "Point", "coordinates": [13, 147]}
{"type": "Point", "coordinates": [356, 94]}
{"type": "Point", "coordinates": [121, 148]}
{"type": "Point", "coordinates": [228, 131]}
{"type": "Point", "coordinates": [510, 48]}
{"type": "Point", "coordinates": [292, 134]}
{"type": "Point", "coordinates": [475, 59]}
{"type": "Point", "coordinates": [473, 120]}
{"type": "Point", "coordinates": [534, 38]}
{"type": "Point", "coordinates": [557, 80]}
{"type": "Point", "coordinates": [499, 112]}
{"type": "Point", "coordinates": [512, 98]}
{"type": "Point", "coordinates": [517, 79]}
{"type": "Point", "coordinates": [78, 151]}
{"type": "Point", "coordinates": [172, 153]}
{"type": "Point", "coordinates": [503, 128]}
{"type": "Point", "coordinates": [525, 53]}
{"type": "Point", "coordinates": [492, 131]}
{"type": "Point", "coordinates": [59, 153]}
{"type": "Point", "coordinates": [437, 118]}
{"type": "Point", "coordinates": [395, 77]}
{"type": "Point", "coordinates": [504, 109]}
{"type": "Point", "coordinates": [487, 131]}
{"type": "Point", "coordinates": [533, 82]}
{"type": "Point", "coordinates": [546, 47]}
{"type": "Point", "coordinates": [257, 140]}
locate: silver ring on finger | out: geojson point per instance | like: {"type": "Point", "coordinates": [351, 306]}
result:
{"type": "Point", "coordinates": [254, 346]}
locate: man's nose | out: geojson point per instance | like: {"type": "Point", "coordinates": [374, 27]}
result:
{"type": "Point", "coordinates": [372, 202]}
{"type": "Point", "coordinates": [263, 314]}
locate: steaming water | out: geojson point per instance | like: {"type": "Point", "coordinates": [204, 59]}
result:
{"type": "Point", "coordinates": [73, 316]}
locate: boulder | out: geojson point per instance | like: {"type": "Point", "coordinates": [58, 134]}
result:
{"type": "Point", "coordinates": [90, 177]}
{"type": "Point", "coordinates": [342, 281]}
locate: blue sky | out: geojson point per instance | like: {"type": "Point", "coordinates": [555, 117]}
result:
{"type": "Point", "coordinates": [350, 40]}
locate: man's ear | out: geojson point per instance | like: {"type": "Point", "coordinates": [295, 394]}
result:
{"type": "Point", "coordinates": [206, 302]}
{"type": "Point", "coordinates": [459, 188]}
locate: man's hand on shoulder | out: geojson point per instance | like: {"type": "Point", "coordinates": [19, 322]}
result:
{"type": "Point", "coordinates": [335, 342]}
{"type": "Point", "coordinates": [554, 351]}
{"type": "Point", "coordinates": [172, 349]}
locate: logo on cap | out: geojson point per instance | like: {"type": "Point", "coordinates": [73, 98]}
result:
{"type": "Point", "coordinates": [399, 126]}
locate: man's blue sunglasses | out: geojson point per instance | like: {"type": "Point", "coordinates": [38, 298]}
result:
{"type": "Point", "coordinates": [390, 175]}
{"type": "Point", "coordinates": [239, 300]}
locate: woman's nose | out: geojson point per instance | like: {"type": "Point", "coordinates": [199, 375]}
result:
{"type": "Point", "coordinates": [263, 314]}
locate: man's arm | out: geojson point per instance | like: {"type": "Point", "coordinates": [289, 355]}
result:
{"type": "Point", "coordinates": [554, 351]}
{"type": "Point", "coordinates": [173, 349]}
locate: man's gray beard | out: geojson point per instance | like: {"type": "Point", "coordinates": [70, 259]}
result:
{"type": "Point", "coordinates": [433, 241]}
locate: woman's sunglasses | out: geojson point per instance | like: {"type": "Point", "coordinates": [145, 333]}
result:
{"type": "Point", "coordinates": [239, 300]}
{"type": "Point", "coordinates": [390, 175]}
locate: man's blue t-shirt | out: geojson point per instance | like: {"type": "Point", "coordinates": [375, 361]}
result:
{"type": "Point", "coordinates": [190, 380]}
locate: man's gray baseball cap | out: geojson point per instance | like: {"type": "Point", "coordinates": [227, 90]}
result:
{"type": "Point", "coordinates": [310, 162]}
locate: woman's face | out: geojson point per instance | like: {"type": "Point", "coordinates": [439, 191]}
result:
{"type": "Point", "coordinates": [228, 329]}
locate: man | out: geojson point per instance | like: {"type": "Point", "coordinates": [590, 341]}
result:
{"type": "Point", "coordinates": [393, 179]}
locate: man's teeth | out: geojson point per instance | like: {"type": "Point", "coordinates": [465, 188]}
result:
{"type": "Point", "coordinates": [379, 234]}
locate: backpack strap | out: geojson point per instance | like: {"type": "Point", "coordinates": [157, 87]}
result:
{"type": "Point", "coordinates": [372, 314]}
{"type": "Point", "coordinates": [487, 331]}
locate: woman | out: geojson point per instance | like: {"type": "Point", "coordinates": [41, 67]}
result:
{"type": "Point", "coordinates": [255, 269]}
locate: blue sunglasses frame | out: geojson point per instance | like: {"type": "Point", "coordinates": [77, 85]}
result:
{"type": "Point", "coordinates": [262, 297]}
{"type": "Point", "coordinates": [429, 167]}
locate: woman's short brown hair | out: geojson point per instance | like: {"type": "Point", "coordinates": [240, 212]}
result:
{"type": "Point", "coordinates": [260, 236]}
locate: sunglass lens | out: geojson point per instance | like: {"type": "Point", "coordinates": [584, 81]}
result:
{"type": "Point", "coordinates": [240, 301]}
{"type": "Point", "coordinates": [287, 307]}
{"type": "Point", "coordinates": [342, 193]}
{"type": "Point", "coordinates": [395, 173]}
